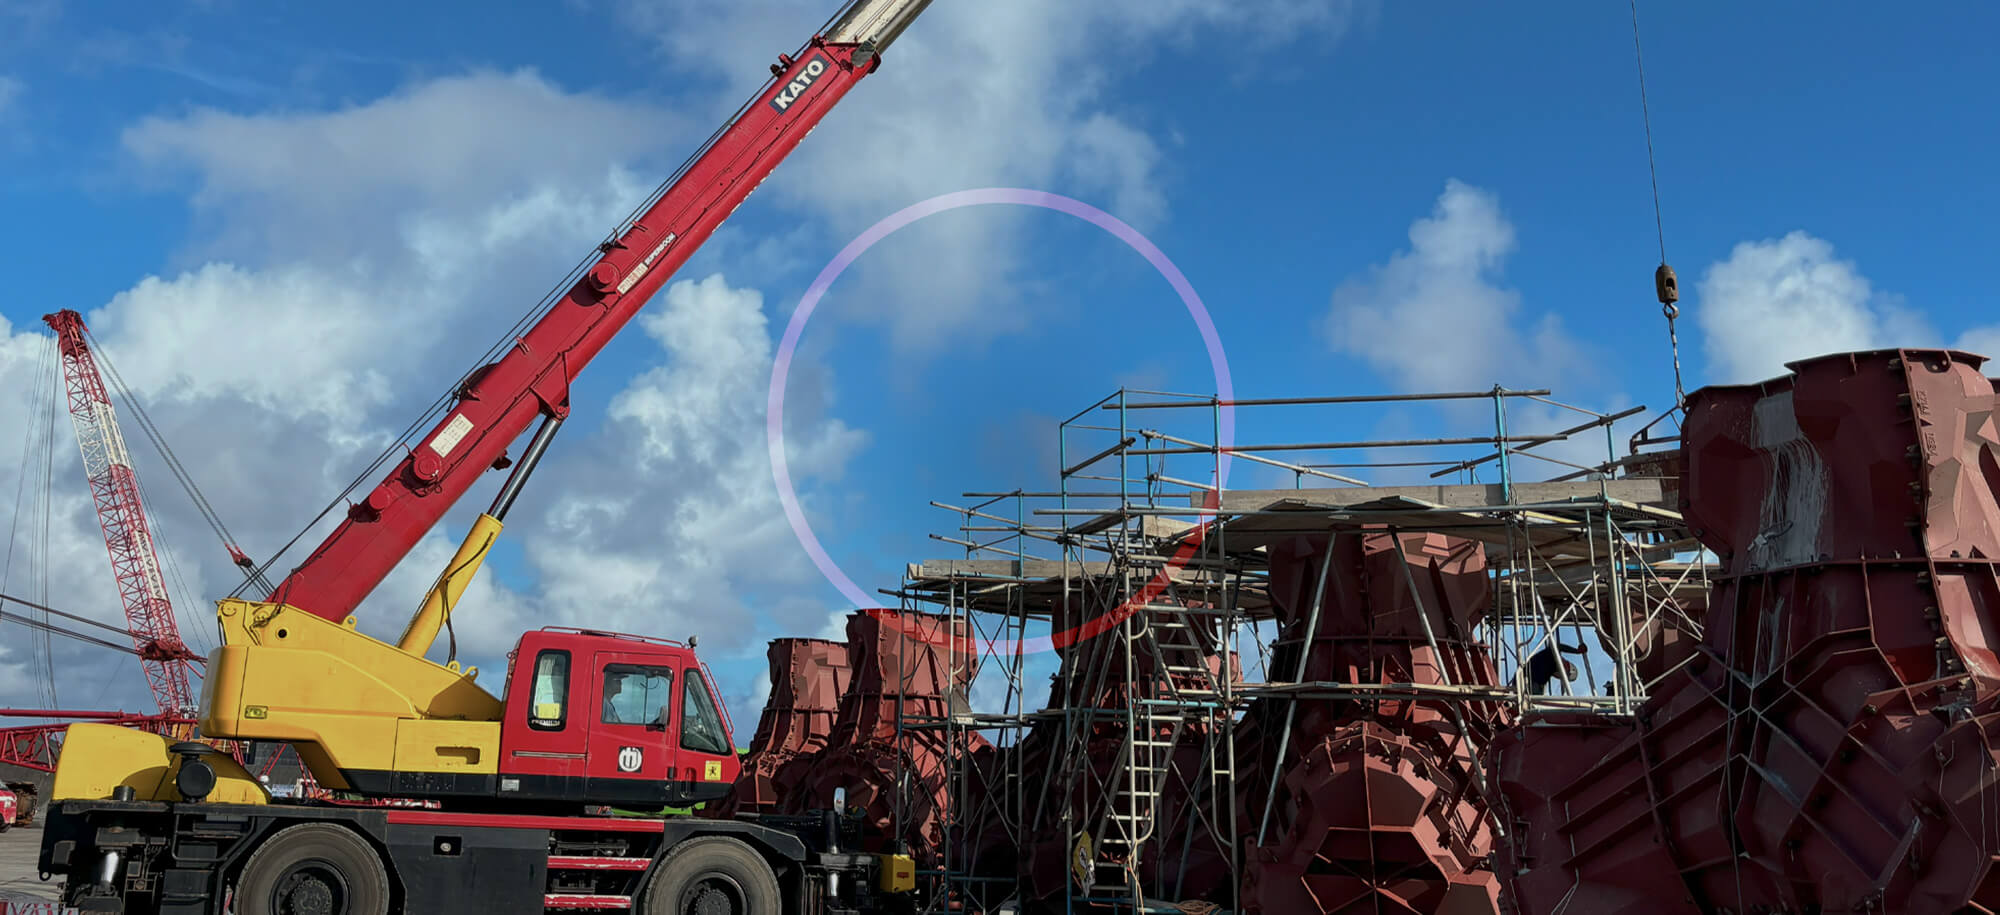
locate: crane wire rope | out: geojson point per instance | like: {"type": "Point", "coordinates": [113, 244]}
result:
{"type": "Point", "coordinates": [50, 628]}
{"type": "Point", "coordinates": [32, 447]}
{"type": "Point", "coordinates": [40, 553]}
{"type": "Point", "coordinates": [1665, 285]}
{"type": "Point", "coordinates": [47, 629]}
{"type": "Point", "coordinates": [162, 540]}
{"type": "Point", "coordinates": [21, 480]}
{"type": "Point", "coordinates": [165, 554]}
{"type": "Point", "coordinates": [505, 340]}
{"type": "Point", "coordinates": [159, 442]}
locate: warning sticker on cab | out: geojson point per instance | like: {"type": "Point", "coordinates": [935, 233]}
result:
{"type": "Point", "coordinates": [712, 770]}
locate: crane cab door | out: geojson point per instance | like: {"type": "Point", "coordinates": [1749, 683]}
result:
{"type": "Point", "coordinates": [543, 738]}
{"type": "Point", "coordinates": [659, 725]}
{"type": "Point", "coordinates": [630, 753]}
{"type": "Point", "coordinates": [706, 753]}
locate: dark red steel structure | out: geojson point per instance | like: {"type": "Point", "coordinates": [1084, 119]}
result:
{"type": "Point", "coordinates": [1377, 807]}
{"type": "Point", "coordinates": [808, 679]}
{"type": "Point", "coordinates": [907, 669]}
{"type": "Point", "coordinates": [1833, 745]}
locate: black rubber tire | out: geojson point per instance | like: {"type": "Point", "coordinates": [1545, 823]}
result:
{"type": "Point", "coordinates": [713, 876]}
{"type": "Point", "coordinates": [313, 867]}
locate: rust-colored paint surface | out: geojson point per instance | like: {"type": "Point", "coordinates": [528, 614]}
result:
{"type": "Point", "coordinates": [808, 678]}
{"type": "Point", "coordinates": [1376, 808]}
{"type": "Point", "coordinates": [906, 667]}
{"type": "Point", "coordinates": [1831, 745]}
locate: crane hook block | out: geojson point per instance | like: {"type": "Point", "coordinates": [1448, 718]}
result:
{"type": "Point", "coordinates": [1666, 285]}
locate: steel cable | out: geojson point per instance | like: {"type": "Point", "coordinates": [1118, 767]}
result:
{"type": "Point", "coordinates": [159, 442]}
{"type": "Point", "coordinates": [40, 555]}
{"type": "Point", "coordinates": [35, 450]}
{"type": "Point", "coordinates": [1664, 281]}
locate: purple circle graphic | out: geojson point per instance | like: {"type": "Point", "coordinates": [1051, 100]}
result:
{"type": "Point", "coordinates": [1117, 228]}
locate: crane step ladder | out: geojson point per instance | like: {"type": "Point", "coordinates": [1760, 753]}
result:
{"type": "Point", "coordinates": [579, 865]}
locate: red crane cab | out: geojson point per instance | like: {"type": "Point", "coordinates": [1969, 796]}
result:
{"type": "Point", "coordinates": [617, 720]}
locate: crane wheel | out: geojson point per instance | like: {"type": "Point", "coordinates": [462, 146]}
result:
{"type": "Point", "coordinates": [313, 867]}
{"type": "Point", "coordinates": [713, 876]}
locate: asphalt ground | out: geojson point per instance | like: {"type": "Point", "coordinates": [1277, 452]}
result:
{"type": "Point", "coordinates": [18, 883]}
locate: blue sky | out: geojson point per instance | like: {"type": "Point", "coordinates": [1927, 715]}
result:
{"type": "Point", "coordinates": [293, 228]}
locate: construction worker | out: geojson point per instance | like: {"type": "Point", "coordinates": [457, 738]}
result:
{"type": "Point", "coordinates": [1543, 664]}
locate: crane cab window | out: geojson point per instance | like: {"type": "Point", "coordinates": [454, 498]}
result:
{"type": "Point", "coordinates": [548, 700]}
{"type": "Point", "coordinates": [701, 726]}
{"type": "Point", "coordinates": [637, 694]}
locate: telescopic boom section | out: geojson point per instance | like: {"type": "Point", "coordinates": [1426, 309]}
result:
{"type": "Point", "coordinates": [498, 402]}
{"type": "Point", "coordinates": [115, 489]}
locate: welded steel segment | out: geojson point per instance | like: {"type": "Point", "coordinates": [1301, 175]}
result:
{"type": "Point", "coordinates": [809, 677]}
{"type": "Point", "coordinates": [497, 402]}
{"type": "Point", "coordinates": [905, 666]}
{"type": "Point", "coordinates": [1833, 744]}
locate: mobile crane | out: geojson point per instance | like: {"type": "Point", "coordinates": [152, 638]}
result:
{"type": "Point", "coordinates": [512, 788]}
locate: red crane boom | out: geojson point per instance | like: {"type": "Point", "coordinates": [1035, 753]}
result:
{"type": "Point", "coordinates": [497, 402]}
{"type": "Point", "coordinates": [168, 663]}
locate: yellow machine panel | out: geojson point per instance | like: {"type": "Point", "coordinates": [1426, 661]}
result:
{"type": "Point", "coordinates": [98, 758]}
{"type": "Point", "coordinates": [344, 699]}
{"type": "Point", "coordinates": [447, 746]}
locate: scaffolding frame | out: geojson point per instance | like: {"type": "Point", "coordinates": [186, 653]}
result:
{"type": "Point", "coordinates": [1176, 561]}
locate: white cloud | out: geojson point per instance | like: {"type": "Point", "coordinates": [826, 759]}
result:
{"type": "Point", "coordinates": [1021, 94]}
{"type": "Point", "coordinates": [1984, 341]}
{"type": "Point", "coordinates": [1438, 316]}
{"type": "Point", "coordinates": [669, 522]}
{"type": "Point", "coordinates": [1781, 299]}
{"type": "Point", "coordinates": [285, 186]}
{"type": "Point", "coordinates": [10, 92]}
{"type": "Point", "coordinates": [265, 311]}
